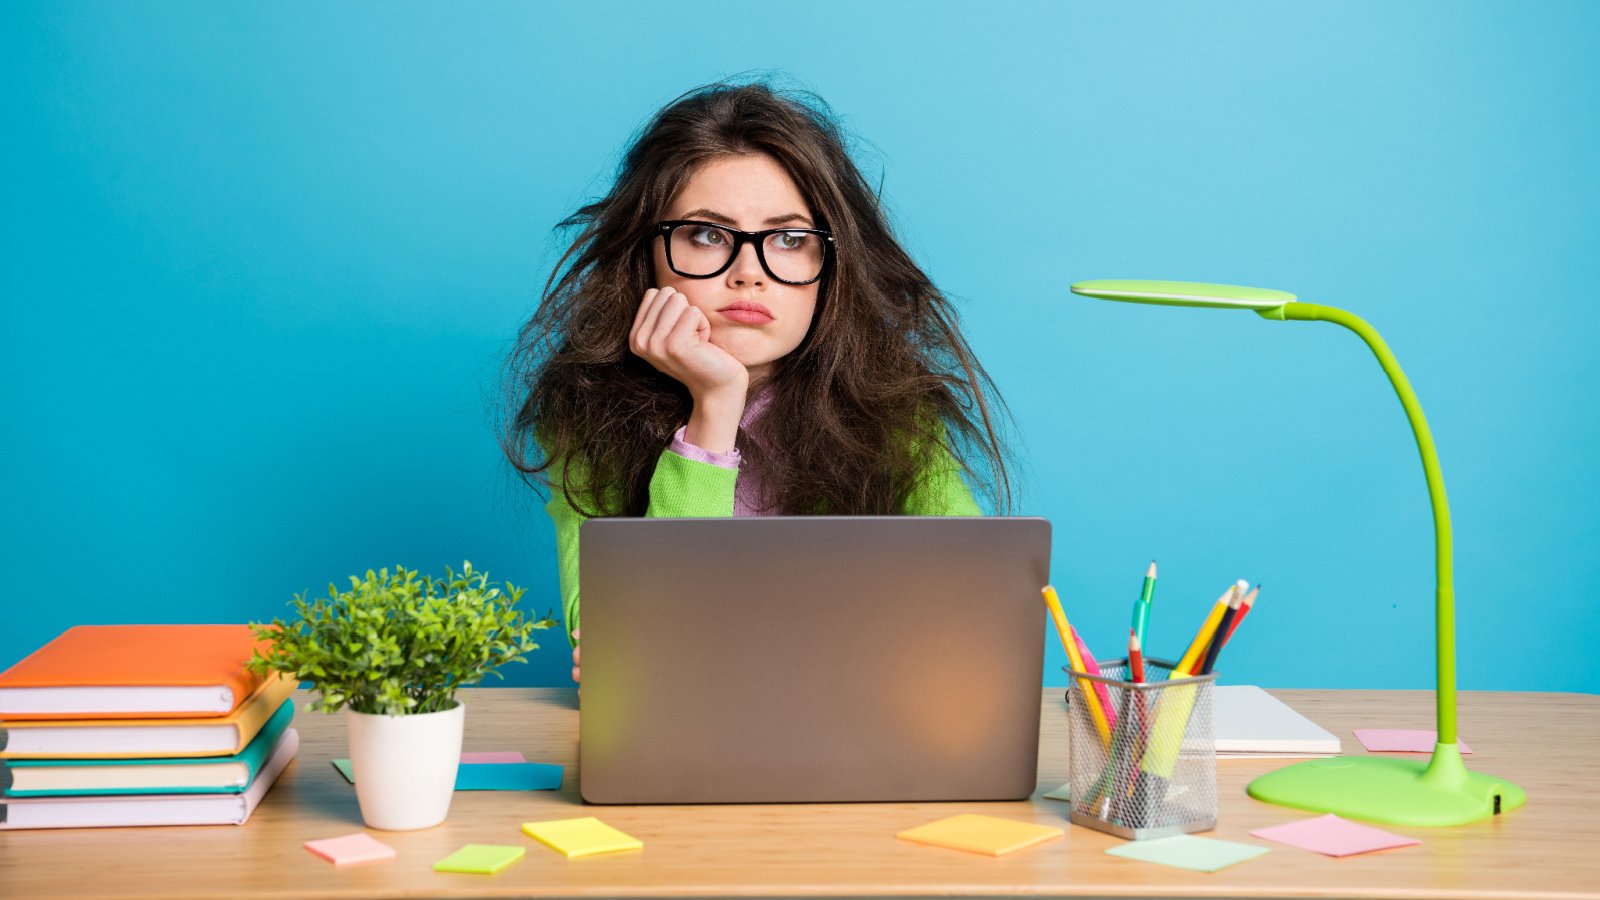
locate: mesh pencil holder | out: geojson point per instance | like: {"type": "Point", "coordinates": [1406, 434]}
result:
{"type": "Point", "coordinates": [1147, 767]}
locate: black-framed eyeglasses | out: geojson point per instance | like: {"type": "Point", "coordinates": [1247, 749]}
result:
{"type": "Point", "coordinates": [704, 250]}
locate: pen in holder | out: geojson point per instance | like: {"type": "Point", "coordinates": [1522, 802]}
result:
{"type": "Point", "coordinates": [1157, 774]}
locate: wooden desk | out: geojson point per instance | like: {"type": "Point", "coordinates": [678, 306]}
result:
{"type": "Point", "coordinates": [1545, 742]}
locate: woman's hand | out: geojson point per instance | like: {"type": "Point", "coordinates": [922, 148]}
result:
{"type": "Point", "coordinates": [675, 337]}
{"type": "Point", "coordinates": [574, 656]}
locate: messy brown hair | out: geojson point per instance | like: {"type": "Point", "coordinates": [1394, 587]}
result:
{"type": "Point", "coordinates": [882, 383]}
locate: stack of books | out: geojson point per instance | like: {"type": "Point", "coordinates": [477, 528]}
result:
{"type": "Point", "coordinates": [113, 725]}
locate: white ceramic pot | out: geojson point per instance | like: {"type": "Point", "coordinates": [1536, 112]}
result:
{"type": "Point", "coordinates": [405, 766]}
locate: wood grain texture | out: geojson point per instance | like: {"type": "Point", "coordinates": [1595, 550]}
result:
{"type": "Point", "coordinates": [1545, 742]}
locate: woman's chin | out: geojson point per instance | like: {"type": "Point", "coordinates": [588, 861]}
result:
{"type": "Point", "coordinates": [749, 357]}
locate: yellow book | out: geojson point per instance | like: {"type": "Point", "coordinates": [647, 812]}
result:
{"type": "Point", "coordinates": [580, 837]}
{"type": "Point", "coordinates": [981, 834]}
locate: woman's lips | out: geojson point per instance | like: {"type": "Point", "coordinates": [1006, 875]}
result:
{"type": "Point", "coordinates": [747, 313]}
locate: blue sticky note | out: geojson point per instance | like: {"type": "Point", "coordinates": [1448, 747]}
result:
{"type": "Point", "coordinates": [1186, 851]}
{"type": "Point", "coordinates": [508, 777]}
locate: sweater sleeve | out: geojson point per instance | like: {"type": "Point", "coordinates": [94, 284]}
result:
{"type": "Point", "coordinates": [679, 488]}
{"type": "Point", "coordinates": [942, 492]}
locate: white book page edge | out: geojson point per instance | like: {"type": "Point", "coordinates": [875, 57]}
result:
{"type": "Point", "coordinates": [91, 700]}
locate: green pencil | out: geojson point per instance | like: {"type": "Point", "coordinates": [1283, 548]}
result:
{"type": "Point", "coordinates": [1141, 608]}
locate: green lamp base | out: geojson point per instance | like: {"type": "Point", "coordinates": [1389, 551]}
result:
{"type": "Point", "coordinates": [1392, 791]}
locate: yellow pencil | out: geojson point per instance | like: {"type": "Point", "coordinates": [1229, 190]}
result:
{"type": "Point", "coordinates": [1076, 660]}
{"type": "Point", "coordinates": [1203, 637]}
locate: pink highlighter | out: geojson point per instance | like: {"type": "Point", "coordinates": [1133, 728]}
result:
{"type": "Point", "coordinates": [1093, 668]}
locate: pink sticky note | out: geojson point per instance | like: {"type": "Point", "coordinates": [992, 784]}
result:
{"type": "Point", "coordinates": [1402, 740]}
{"type": "Point", "coordinates": [352, 848]}
{"type": "Point", "coordinates": [494, 756]}
{"type": "Point", "coordinates": [1333, 836]}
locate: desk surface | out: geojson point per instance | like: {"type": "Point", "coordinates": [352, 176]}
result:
{"type": "Point", "coordinates": [1546, 849]}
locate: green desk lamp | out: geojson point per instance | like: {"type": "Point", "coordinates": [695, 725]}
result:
{"type": "Point", "coordinates": [1381, 789]}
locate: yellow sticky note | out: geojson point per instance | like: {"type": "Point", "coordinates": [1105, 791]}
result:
{"type": "Point", "coordinates": [981, 834]}
{"type": "Point", "coordinates": [580, 837]}
{"type": "Point", "coordinates": [480, 859]}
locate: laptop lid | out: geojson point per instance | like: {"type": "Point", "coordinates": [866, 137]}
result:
{"type": "Point", "coordinates": [811, 658]}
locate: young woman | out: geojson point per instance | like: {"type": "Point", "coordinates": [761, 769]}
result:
{"type": "Point", "coordinates": [734, 330]}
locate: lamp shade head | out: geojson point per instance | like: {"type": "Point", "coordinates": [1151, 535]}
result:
{"type": "Point", "coordinates": [1184, 293]}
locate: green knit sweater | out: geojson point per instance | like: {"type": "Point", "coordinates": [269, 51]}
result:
{"type": "Point", "coordinates": [686, 488]}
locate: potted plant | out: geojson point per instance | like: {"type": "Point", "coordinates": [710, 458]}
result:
{"type": "Point", "coordinates": [392, 651]}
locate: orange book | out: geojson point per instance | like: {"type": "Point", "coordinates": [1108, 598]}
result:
{"type": "Point", "coordinates": [132, 672]}
{"type": "Point", "coordinates": [146, 738]}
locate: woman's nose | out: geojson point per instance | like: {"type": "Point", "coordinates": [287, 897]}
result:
{"type": "Point", "coordinates": [746, 268]}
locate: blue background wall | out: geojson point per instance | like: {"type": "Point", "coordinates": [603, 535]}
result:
{"type": "Point", "coordinates": [261, 263]}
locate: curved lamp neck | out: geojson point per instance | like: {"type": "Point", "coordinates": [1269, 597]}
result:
{"type": "Point", "coordinates": [1444, 608]}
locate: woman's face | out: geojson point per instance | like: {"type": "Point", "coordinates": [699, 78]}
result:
{"type": "Point", "coordinates": [753, 316]}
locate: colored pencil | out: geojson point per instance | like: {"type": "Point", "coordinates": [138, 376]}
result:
{"type": "Point", "coordinates": [1136, 671]}
{"type": "Point", "coordinates": [1191, 657]}
{"type": "Point", "coordinates": [1244, 610]}
{"type": "Point", "coordinates": [1141, 607]}
{"type": "Point", "coordinates": [1221, 635]}
{"type": "Point", "coordinates": [1137, 674]}
{"type": "Point", "coordinates": [1064, 629]}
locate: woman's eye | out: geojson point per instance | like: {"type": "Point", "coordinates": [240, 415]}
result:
{"type": "Point", "coordinates": [791, 240]}
{"type": "Point", "coordinates": [711, 237]}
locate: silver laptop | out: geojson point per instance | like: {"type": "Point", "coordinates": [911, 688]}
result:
{"type": "Point", "coordinates": [811, 659]}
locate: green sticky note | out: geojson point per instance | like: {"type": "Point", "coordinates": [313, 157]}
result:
{"type": "Point", "coordinates": [480, 859]}
{"type": "Point", "coordinates": [1061, 793]}
{"type": "Point", "coordinates": [1185, 851]}
{"type": "Point", "coordinates": [343, 765]}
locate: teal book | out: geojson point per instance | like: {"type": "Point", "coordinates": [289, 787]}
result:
{"type": "Point", "coordinates": [189, 775]}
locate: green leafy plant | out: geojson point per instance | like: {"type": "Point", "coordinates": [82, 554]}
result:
{"type": "Point", "coordinates": [401, 643]}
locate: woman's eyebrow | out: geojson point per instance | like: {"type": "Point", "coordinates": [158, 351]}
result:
{"type": "Point", "coordinates": [719, 217]}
